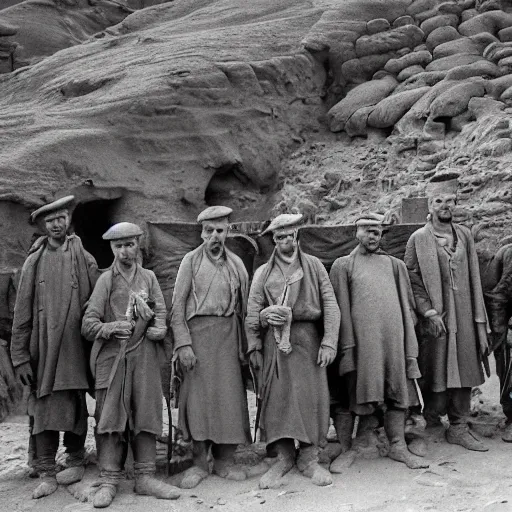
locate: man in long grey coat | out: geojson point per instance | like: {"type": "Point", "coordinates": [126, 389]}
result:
{"type": "Point", "coordinates": [47, 349]}
{"type": "Point", "coordinates": [445, 277]}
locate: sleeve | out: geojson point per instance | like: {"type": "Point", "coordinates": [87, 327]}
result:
{"type": "Point", "coordinates": [480, 315]}
{"type": "Point", "coordinates": [22, 321]}
{"type": "Point", "coordinates": [423, 303]}
{"type": "Point", "coordinates": [347, 341]}
{"type": "Point", "coordinates": [255, 304]}
{"type": "Point", "coordinates": [158, 329]}
{"type": "Point", "coordinates": [92, 269]}
{"type": "Point", "coordinates": [92, 323]}
{"type": "Point", "coordinates": [331, 311]}
{"type": "Point", "coordinates": [182, 289]}
{"type": "Point", "coordinates": [499, 295]}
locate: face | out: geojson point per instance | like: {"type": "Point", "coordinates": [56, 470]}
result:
{"type": "Point", "coordinates": [56, 224]}
{"type": "Point", "coordinates": [126, 250]}
{"type": "Point", "coordinates": [441, 207]}
{"type": "Point", "coordinates": [214, 235]}
{"type": "Point", "coordinates": [286, 241]}
{"type": "Point", "coordinates": [369, 237]}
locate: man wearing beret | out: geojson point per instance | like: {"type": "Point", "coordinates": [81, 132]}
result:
{"type": "Point", "coordinates": [378, 342]}
{"type": "Point", "coordinates": [125, 318]}
{"type": "Point", "coordinates": [292, 330]}
{"type": "Point", "coordinates": [47, 349]}
{"type": "Point", "coordinates": [208, 308]}
{"type": "Point", "coordinates": [445, 277]}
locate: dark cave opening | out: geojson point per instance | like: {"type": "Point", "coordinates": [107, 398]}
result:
{"type": "Point", "coordinates": [90, 221]}
{"type": "Point", "coordinates": [225, 185]}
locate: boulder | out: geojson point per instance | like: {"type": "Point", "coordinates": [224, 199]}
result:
{"type": "Point", "coordinates": [429, 78]}
{"type": "Point", "coordinates": [364, 95]}
{"type": "Point", "coordinates": [441, 35]}
{"type": "Point", "coordinates": [407, 36]}
{"type": "Point", "coordinates": [357, 125]}
{"type": "Point", "coordinates": [409, 72]}
{"type": "Point", "coordinates": [389, 110]}
{"type": "Point", "coordinates": [482, 68]}
{"type": "Point", "coordinates": [480, 107]}
{"type": "Point", "coordinates": [378, 25]}
{"type": "Point", "coordinates": [403, 20]}
{"type": "Point", "coordinates": [442, 20]}
{"type": "Point", "coordinates": [454, 101]}
{"type": "Point", "coordinates": [498, 86]}
{"type": "Point", "coordinates": [452, 61]}
{"type": "Point", "coordinates": [462, 45]}
{"type": "Point", "coordinates": [505, 34]}
{"type": "Point", "coordinates": [360, 70]}
{"type": "Point", "coordinates": [492, 22]}
{"type": "Point", "coordinates": [416, 58]}
{"type": "Point", "coordinates": [468, 14]}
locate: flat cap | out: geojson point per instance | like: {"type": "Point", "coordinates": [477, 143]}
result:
{"type": "Point", "coordinates": [285, 220]}
{"type": "Point", "coordinates": [443, 183]}
{"type": "Point", "coordinates": [214, 212]}
{"type": "Point", "coordinates": [60, 204]}
{"type": "Point", "coordinates": [370, 219]}
{"type": "Point", "coordinates": [122, 230]}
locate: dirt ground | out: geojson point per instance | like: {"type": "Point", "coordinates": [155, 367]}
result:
{"type": "Point", "coordinates": [457, 480]}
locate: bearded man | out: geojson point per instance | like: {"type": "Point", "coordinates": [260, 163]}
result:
{"type": "Point", "coordinates": [292, 329]}
{"type": "Point", "coordinates": [47, 349]}
{"type": "Point", "coordinates": [378, 342]}
{"type": "Point", "coordinates": [208, 308]}
{"type": "Point", "coordinates": [445, 277]}
{"type": "Point", "coordinates": [125, 318]}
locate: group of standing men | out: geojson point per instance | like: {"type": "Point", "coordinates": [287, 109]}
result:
{"type": "Point", "coordinates": [292, 322]}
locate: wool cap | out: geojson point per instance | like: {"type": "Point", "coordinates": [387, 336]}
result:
{"type": "Point", "coordinates": [285, 220]}
{"type": "Point", "coordinates": [122, 230]}
{"type": "Point", "coordinates": [443, 183]}
{"type": "Point", "coordinates": [214, 212]}
{"type": "Point", "coordinates": [60, 204]}
{"type": "Point", "coordinates": [370, 219]}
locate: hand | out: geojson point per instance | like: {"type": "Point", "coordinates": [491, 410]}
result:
{"type": "Point", "coordinates": [122, 327]}
{"type": "Point", "coordinates": [24, 374]}
{"type": "Point", "coordinates": [256, 359]}
{"type": "Point", "coordinates": [437, 325]}
{"type": "Point", "coordinates": [326, 356]}
{"type": "Point", "coordinates": [187, 357]}
{"type": "Point", "coordinates": [276, 319]}
{"type": "Point", "coordinates": [156, 333]}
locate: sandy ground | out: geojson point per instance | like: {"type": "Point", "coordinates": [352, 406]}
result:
{"type": "Point", "coordinates": [457, 480]}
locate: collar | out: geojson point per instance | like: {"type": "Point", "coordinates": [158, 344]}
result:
{"type": "Point", "coordinates": [116, 271]}
{"type": "Point", "coordinates": [362, 250]}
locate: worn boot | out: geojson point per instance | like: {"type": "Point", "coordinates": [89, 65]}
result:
{"type": "Point", "coordinates": [507, 433]}
{"type": "Point", "coordinates": [75, 469]}
{"type": "Point", "coordinates": [272, 479]}
{"type": "Point", "coordinates": [47, 485]}
{"type": "Point", "coordinates": [194, 475]}
{"type": "Point", "coordinates": [344, 425]}
{"type": "Point", "coordinates": [104, 495]}
{"type": "Point", "coordinates": [147, 485]}
{"type": "Point", "coordinates": [224, 464]}
{"type": "Point", "coordinates": [394, 425]}
{"type": "Point", "coordinates": [307, 463]}
{"type": "Point", "coordinates": [461, 434]}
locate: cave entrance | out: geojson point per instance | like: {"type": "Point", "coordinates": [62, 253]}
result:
{"type": "Point", "coordinates": [90, 221]}
{"type": "Point", "coordinates": [228, 185]}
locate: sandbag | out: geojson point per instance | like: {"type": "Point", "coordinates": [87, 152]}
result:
{"type": "Point", "coordinates": [452, 61]}
{"type": "Point", "coordinates": [442, 20]}
{"type": "Point", "coordinates": [360, 70]}
{"type": "Point", "coordinates": [463, 45]}
{"type": "Point", "coordinates": [454, 101]}
{"type": "Point", "coordinates": [407, 73]}
{"type": "Point", "coordinates": [358, 122]}
{"type": "Point", "coordinates": [481, 68]}
{"type": "Point", "coordinates": [407, 36]}
{"type": "Point", "coordinates": [492, 22]}
{"type": "Point", "coordinates": [421, 58]}
{"type": "Point", "coordinates": [429, 78]}
{"type": "Point", "coordinates": [441, 35]}
{"type": "Point", "coordinates": [498, 86]}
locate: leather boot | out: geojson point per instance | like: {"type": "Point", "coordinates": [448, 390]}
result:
{"type": "Point", "coordinates": [147, 485]}
{"type": "Point", "coordinates": [461, 434]}
{"type": "Point", "coordinates": [394, 425]}
{"type": "Point", "coordinates": [344, 425]}
{"type": "Point", "coordinates": [285, 449]}
{"type": "Point", "coordinates": [194, 475]}
{"type": "Point", "coordinates": [307, 463]}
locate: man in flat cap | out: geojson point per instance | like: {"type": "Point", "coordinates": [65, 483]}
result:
{"type": "Point", "coordinates": [445, 277]}
{"type": "Point", "coordinates": [47, 349]}
{"type": "Point", "coordinates": [125, 318]}
{"type": "Point", "coordinates": [378, 342]}
{"type": "Point", "coordinates": [292, 330]}
{"type": "Point", "coordinates": [499, 303]}
{"type": "Point", "coordinates": [208, 308]}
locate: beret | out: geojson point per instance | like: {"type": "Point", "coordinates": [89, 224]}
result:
{"type": "Point", "coordinates": [60, 204]}
{"type": "Point", "coordinates": [122, 230]}
{"type": "Point", "coordinates": [285, 220]}
{"type": "Point", "coordinates": [214, 212]}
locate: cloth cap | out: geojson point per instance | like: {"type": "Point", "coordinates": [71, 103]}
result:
{"type": "Point", "coordinates": [214, 212]}
{"type": "Point", "coordinates": [285, 220]}
{"type": "Point", "coordinates": [60, 204]}
{"type": "Point", "coordinates": [370, 219]}
{"type": "Point", "coordinates": [122, 230]}
{"type": "Point", "coordinates": [443, 183]}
